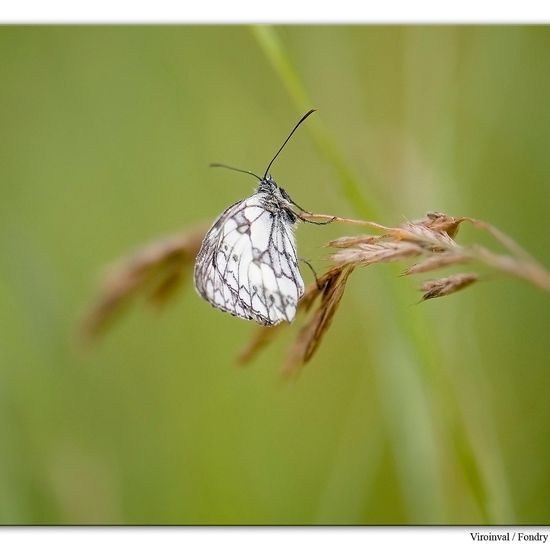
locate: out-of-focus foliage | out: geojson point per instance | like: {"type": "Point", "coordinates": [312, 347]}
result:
{"type": "Point", "coordinates": [429, 413]}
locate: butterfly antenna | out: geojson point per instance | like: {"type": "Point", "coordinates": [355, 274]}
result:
{"type": "Point", "coordinates": [219, 165]}
{"type": "Point", "coordinates": [286, 140]}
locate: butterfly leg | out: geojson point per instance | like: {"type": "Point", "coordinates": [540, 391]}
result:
{"type": "Point", "coordinates": [319, 286]}
{"type": "Point", "coordinates": [312, 222]}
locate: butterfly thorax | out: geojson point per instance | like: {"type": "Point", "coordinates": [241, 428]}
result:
{"type": "Point", "coordinates": [275, 199]}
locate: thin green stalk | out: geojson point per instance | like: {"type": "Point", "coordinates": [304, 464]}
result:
{"type": "Point", "coordinates": [405, 374]}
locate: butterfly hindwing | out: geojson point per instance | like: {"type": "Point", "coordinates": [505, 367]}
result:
{"type": "Point", "coordinates": [247, 264]}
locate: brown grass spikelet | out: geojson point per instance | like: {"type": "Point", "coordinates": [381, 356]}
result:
{"type": "Point", "coordinates": [436, 288]}
{"type": "Point", "coordinates": [349, 242]}
{"type": "Point", "coordinates": [260, 339]}
{"type": "Point", "coordinates": [155, 271]}
{"type": "Point", "coordinates": [441, 223]}
{"type": "Point", "coordinates": [423, 236]}
{"type": "Point", "coordinates": [333, 284]}
{"type": "Point", "coordinates": [379, 252]}
{"type": "Point", "coordinates": [437, 261]}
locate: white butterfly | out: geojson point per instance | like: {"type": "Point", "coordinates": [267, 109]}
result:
{"type": "Point", "coordinates": [247, 264]}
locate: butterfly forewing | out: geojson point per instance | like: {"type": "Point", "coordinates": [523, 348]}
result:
{"type": "Point", "coordinates": [247, 264]}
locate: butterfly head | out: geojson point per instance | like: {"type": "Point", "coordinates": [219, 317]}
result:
{"type": "Point", "coordinates": [269, 186]}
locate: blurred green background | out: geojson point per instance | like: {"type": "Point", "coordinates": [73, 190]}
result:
{"type": "Point", "coordinates": [431, 413]}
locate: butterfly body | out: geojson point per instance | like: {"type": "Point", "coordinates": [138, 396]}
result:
{"type": "Point", "coordinates": [247, 264]}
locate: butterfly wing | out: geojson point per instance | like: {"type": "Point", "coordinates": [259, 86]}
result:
{"type": "Point", "coordinates": [247, 264]}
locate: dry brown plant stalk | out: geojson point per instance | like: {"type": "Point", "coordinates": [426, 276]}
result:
{"type": "Point", "coordinates": [155, 272]}
{"type": "Point", "coordinates": [158, 270]}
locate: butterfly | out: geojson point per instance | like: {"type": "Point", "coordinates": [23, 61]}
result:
{"type": "Point", "coordinates": [247, 264]}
